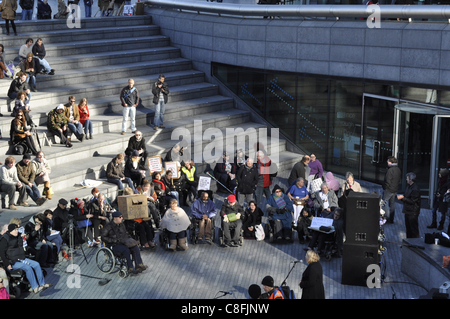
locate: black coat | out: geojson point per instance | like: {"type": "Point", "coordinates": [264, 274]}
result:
{"type": "Point", "coordinates": [157, 91]}
{"type": "Point", "coordinates": [312, 282]}
{"type": "Point", "coordinates": [392, 179]}
{"type": "Point", "coordinates": [11, 249]}
{"type": "Point", "coordinates": [60, 218]}
{"type": "Point", "coordinates": [411, 200]}
{"type": "Point", "coordinates": [247, 179]}
{"type": "Point", "coordinates": [114, 233]}
{"type": "Point", "coordinates": [134, 144]}
{"type": "Point", "coordinates": [299, 170]}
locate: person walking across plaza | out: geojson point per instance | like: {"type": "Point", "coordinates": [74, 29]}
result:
{"type": "Point", "coordinates": [160, 92]}
{"type": "Point", "coordinates": [129, 97]}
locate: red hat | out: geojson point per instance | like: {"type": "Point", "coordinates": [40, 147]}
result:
{"type": "Point", "coordinates": [231, 199]}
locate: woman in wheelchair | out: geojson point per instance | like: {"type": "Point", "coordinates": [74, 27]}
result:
{"type": "Point", "coordinates": [280, 208]}
{"type": "Point", "coordinates": [176, 222]}
{"type": "Point", "coordinates": [115, 234]}
{"type": "Point", "coordinates": [325, 201]}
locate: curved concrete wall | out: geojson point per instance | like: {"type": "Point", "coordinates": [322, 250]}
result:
{"type": "Point", "coordinates": [416, 52]}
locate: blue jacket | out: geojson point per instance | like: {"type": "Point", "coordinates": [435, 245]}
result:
{"type": "Point", "coordinates": [198, 209]}
{"type": "Point", "coordinates": [286, 218]}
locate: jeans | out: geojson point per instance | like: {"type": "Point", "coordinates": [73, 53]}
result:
{"type": "Point", "coordinates": [119, 183]}
{"type": "Point", "coordinates": [45, 64]}
{"type": "Point", "coordinates": [76, 129]}
{"type": "Point", "coordinates": [27, 14]}
{"type": "Point", "coordinates": [31, 267]}
{"type": "Point", "coordinates": [31, 79]}
{"type": "Point", "coordinates": [129, 111]}
{"type": "Point", "coordinates": [389, 206]}
{"type": "Point", "coordinates": [88, 127]}
{"type": "Point", "coordinates": [160, 108]}
{"type": "Point", "coordinates": [33, 192]}
{"type": "Point", "coordinates": [87, 11]}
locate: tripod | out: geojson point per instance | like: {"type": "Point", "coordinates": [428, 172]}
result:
{"type": "Point", "coordinates": [72, 234]}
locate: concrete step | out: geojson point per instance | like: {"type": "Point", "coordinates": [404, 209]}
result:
{"type": "Point", "coordinates": [202, 94]}
{"type": "Point", "coordinates": [69, 48]}
{"type": "Point", "coordinates": [65, 35]}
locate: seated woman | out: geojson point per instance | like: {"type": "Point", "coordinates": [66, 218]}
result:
{"type": "Point", "coordinates": [22, 103]}
{"type": "Point", "coordinates": [101, 215]}
{"type": "Point", "coordinates": [350, 185]}
{"type": "Point", "coordinates": [42, 171]}
{"type": "Point", "coordinates": [143, 227]}
{"type": "Point", "coordinates": [160, 190]}
{"type": "Point", "coordinates": [252, 217]}
{"type": "Point", "coordinates": [84, 119]}
{"type": "Point", "coordinates": [37, 239]}
{"type": "Point", "coordinates": [304, 222]}
{"type": "Point", "coordinates": [280, 208]}
{"type": "Point", "coordinates": [169, 185]}
{"type": "Point", "coordinates": [132, 169]}
{"type": "Point", "coordinates": [30, 66]}
{"type": "Point", "coordinates": [176, 221]}
{"type": "Point", "coordinates": [299, 195]}
{"type": "Point", "coordinates": [20, 133]}
{"type": "Point", "coordinates": [53, 236]}
{"type": "Point", "coordinates": [84, 220]}
{"type": "Point", "coordinates": [325, 201]}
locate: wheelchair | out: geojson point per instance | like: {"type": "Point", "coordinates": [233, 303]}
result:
{"type": "Point", "coordinates": [269, 231]}
{"type": "Point", "coordinates": [107, 260]}
{"type": "Point", "coordinates": [232, 231]}
{"type": "Point", "coordinates": [193, 229]}
{"type": "Point", "coordinates": [164, 238]}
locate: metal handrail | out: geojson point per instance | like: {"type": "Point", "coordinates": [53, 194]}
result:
{"type": "Point", "coordinates": [337, 11]}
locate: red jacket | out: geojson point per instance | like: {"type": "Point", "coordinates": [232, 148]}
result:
{"type": "Point", "coordinates": [83, 116]}
{"type": "Point", "coordinates": [264, 167]}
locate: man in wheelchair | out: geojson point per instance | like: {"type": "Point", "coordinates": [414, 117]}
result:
{"type": "Point", "coordinates": [333, 234]}
{"type": "Point", "coordinates": [280, 208]}
{"type": "Point", "coordinates": [204, 210]}
{"type": "Point", "coordinates": [115, 234]}
{"type": "Point", "coordinates": [231, 213]}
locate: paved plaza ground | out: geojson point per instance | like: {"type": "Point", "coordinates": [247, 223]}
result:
{"type": "Point", "coordinates": [204, 270]}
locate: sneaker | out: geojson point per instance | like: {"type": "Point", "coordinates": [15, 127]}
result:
{"type": "Point", "coordinates": [162, 126]}
{"type": "Point", "coordinates": [25, 204]}
{"type": "Point", "coordinates": [123, 133]}
{"type": "Point", "coordinates": [12, 207]}
{"type": "Point", "coordinates": [52, 72]}
{"type": "Point", "coordinates": [155, 127]}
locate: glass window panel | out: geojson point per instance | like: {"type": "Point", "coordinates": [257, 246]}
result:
{"type": "Point", "coordinates": [251, 89]}
{"type": "Point", "coordinates": [227, 74]}
{"type": "Point", "coordinates": [345, 127]}
{"type": "Point", "coordinates": [419, 95]}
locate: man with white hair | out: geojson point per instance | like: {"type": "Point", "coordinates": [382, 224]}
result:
{"type": "Point", "coordinates": [247, 179]}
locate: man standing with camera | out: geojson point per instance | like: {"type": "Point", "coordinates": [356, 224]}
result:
{"type": "Point", "coordinates": [160, 97]}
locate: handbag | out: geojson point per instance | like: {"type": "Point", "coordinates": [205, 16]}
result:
{"type": "Point", "coordinates": [130, 242]}
{"type": "Point", "coordinates": [259, 232]}
{"type": "Point", "coordinates": [84, 223]}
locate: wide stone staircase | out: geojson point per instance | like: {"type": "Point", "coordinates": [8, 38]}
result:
{"type": "Point", "coordinates": [95, 62]}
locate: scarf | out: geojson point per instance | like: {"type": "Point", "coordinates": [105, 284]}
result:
{"type": "Point", "coordinates": [281, 203]}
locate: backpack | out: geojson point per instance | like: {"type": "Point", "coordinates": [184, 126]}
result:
{"type": "Point", "coordinates": [286, 292]}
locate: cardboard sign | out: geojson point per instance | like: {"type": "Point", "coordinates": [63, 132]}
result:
{"type": "Point", "coordinates": [133, 206]}
{"type": "Point", "coordinates": [154, 164]}
{"type": "Point", "coordinates": [173, 166]}
{"type": "Point", "coordinates": [204, 183]}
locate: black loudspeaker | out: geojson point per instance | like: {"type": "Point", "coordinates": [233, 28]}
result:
{"type": "Point", "coordinates": [355, 260]}
{"type": "Point", "coordinates": [362, 219]}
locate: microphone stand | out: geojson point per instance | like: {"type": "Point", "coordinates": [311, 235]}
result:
{"type": "Point", "coordinates": [284, 281]}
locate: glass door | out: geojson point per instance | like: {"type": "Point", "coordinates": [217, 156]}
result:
{"type": "Point", "coordinates": [377, 136]}
{"type": "Point", "coordinates": [422, 138]}
{"type": "Point", "coordinates": [440, 150]}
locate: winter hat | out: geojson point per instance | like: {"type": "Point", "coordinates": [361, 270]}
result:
{"type": "Point", "coordinates": [267, 281]}
{"type": "Point", "coordinates": [231, 199]}
{"type": "Point", "coordinates": [11, 227]}
{"type": "Point", "coordinates": [254, 291]}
